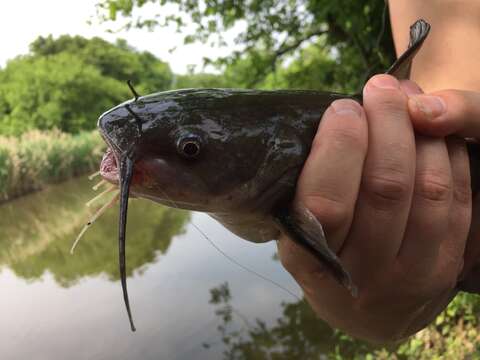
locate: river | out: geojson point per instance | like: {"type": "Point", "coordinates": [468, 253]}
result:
{"type": "Point", "coordinates": [188, 300]}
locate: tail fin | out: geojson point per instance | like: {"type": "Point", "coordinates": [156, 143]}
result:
{"type": "Point", "coordinates": [418, 33]}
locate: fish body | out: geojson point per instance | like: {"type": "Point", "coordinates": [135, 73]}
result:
{"type": "Point", "coordinates": [252, 147]}
{"type": "Point", "coordinates": [234, 154]}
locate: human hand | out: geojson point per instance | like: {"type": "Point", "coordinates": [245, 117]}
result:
{"type": "Point", "coordinates": [396, 210]}
{"type": "Point", "coordinates": [455, 112]}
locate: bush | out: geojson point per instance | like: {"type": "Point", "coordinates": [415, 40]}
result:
{"type": "Point", "coordinates": [36, 158]}
{"type": "Point", "coordinates": [66, 83]}
{"type": "Point", "coordinates": [55, 92]}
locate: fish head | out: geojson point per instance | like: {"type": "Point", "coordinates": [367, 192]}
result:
{"type": "Point", "coordinates": [188, 152]}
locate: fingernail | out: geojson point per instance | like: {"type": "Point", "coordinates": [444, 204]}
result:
{"type": "Point", "coordinates": [431, 106]}
{"type": "Point", "coordinates": [346, 107]}
{"type": "Point", "coordinates": [384, 82]}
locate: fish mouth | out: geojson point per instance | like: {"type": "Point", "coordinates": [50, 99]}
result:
{"type": "Point", "coordinates": [109, 167]}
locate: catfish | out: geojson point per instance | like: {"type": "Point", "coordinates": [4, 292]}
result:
{"type": "Point", "coordinates": [233, 154]}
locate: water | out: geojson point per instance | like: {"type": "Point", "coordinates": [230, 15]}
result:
{"type": "Point", "coordinates": [188, 301]}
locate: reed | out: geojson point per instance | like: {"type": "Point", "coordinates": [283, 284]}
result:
{"type": "Point", "coordinates": [36, 158]}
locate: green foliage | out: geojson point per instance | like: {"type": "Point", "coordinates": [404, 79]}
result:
{"type": "Point", "coordinates": [118, 61]}
{"type": "Point", "coordinates": [30, 161]}
{"type": "Point", "coordinates": [59, 91]}
{"type": "Point", "coordinates": [351, 33]}
{"type": "Point", "coordinates": [312, 69]}
{"type": "Point", "coordinates": [66, 83]}
{"type": "Point", "coordinates": [201, 80]}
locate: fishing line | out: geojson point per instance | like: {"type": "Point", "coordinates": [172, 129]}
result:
{"type": "Point", "coordinates": [253, 272]}
{"type": "Point", "coordinates": [232, 260]}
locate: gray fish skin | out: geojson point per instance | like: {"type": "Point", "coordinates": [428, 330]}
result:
{"type": "Point", "coordinates": [253, 146]}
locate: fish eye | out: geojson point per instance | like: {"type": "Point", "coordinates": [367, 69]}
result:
{"type": "Point", "coordinates": [189, 147]}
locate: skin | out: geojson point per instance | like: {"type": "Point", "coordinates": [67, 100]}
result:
{"type": "Point", "coordinates": [447, 61]}
{"type": "Point", "coordinates": [403, 214]}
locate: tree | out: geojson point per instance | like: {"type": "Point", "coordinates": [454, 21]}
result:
{"type": "Point", "coordinates": [119, 61]}
{"type": "Point", "coordinates": [66, 83]}
{"type": "Point", "coordinates": [60, 91]}
{"type": "Point", "coordinates": [353, 34]}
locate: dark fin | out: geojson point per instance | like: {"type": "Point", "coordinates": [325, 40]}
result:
{"type": "Point", "coordinates": [303, 228]}
{"type": "Point", "coordinates": [402, 66]}
{"type": "Point", "coordinates": [418, 33]}
{"type": "Point", "coordinates": [126, 173]}
{"type": "Point", "coordinates": [132, 89]}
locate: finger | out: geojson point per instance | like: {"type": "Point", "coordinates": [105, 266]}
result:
{"type": "Point", "coordinates": [432, 198]}
{"type": "Point", "coordinates": [339, 148]}
{"type": "Point", "coordinates": [388, 177]}
{"type": "Point", "coordinates": [460, 213]}
{"type": "Point", "coordinates": [472, 249]}
{"type": "Point", "coordinates": [446, 112]}
{"type": "Point", "coordinates": [322, 292]}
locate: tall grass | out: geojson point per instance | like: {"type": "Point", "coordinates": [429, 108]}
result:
{"type": "Point", "coordinates": [35, 158]}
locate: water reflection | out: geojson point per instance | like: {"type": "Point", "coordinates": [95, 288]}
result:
{"type": "Point", "coordinates": [58, 306]}
{"type": "Point", "coordinates": [37, 232]}
{"type": "Point", "coordinates": [296, 334]}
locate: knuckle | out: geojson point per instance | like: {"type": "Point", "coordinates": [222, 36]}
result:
{"type": "Point", "coordinates": [333, 214]}
{"type": "Point", "coordinates": [387, 188]}
{"type": "Point", "coordinates": [433, 186]}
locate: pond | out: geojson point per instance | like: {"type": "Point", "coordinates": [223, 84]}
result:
{"type": "Point", "coordinates": [188, 300]}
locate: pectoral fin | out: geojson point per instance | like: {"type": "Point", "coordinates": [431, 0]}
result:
{"type": "Point", "coordinates": [302, 227]}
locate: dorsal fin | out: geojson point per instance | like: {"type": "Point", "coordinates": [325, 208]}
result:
{"type": "Point", "coordinates": [402, 66]}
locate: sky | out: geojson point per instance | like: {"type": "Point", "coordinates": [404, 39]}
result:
{"type": "Point", "coordinates": [22, 21]}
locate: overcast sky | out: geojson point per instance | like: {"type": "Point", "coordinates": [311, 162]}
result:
{"type": "Point", "coordinates": [22, 21]}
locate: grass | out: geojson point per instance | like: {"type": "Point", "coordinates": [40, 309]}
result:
{"type": "Point", "coordinates": [36, 158]}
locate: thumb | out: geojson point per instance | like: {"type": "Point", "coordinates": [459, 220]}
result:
{"type": "Point", "coordinates": [446, 112]}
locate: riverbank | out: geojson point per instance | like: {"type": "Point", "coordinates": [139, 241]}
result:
{"type": "Point", "coordinates": [37, 158]}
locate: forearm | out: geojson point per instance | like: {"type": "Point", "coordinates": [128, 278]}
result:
{"type": "Point", "coordinates": [449, 59]}
{"type": "Point", "coordinates": [450, 56]}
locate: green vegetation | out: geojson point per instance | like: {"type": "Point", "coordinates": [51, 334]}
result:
{"type": "Point", "coordinates": [354, 36]}
{"type": "Point", "coordinates": [66, 83]}
{"type": "Point", "coordinates": [29, 161]}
